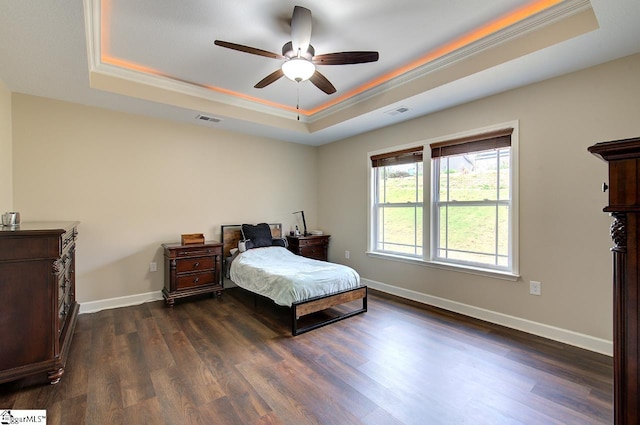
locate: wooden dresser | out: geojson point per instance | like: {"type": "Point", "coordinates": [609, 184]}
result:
{"type": "Point", "coordinates": [39, 312]}
{"type": "Point", "coordinates": [191, 269]}
{"type": "Point", "coordinates": [315, 247]}
{"type": "Point", "coordinates": [623, 157]}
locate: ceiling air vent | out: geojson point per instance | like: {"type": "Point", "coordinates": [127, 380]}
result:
{"type": "Point", "coordinates": [208, 118]}
{"type": "Point", "coordinates": [398, 110]}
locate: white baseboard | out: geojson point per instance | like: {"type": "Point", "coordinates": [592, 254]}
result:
{"type": "Point", "coordinates": [94, 306]}
{"type": "Point", "coordinates": [126, 301]}
{"type": "Point", "coordinates": [587, 342]}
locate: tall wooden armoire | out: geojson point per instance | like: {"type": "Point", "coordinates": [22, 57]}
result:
{"type": "Point", "coordinates": [623, 157]}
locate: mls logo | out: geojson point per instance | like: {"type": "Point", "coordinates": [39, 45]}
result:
{"type": "Point", "coordinates": [9, 417]}
{"type": "Point", "coordinates": [6, 417]}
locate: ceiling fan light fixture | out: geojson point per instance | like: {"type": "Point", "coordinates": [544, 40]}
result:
{"type": "Point", "coordinates": [299, 56]}
{"type": "Point", "coordinates": [298, 69]}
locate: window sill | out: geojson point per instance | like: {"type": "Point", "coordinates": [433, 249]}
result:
{"type": "Point", "coordinates": [445, 266]}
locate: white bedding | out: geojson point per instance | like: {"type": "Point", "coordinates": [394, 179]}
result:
{"type": "Point", "coordinates": [277, 273]}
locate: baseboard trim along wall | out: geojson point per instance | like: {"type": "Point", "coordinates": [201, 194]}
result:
{"type": "Point", "coordinates": [95, 306]}
{"type": "Point", "coordinates": [129, 300]}
{"type": "Point", "coordinates": [546, 331]}
{"type": "Point", "coordinates": [576, 339]}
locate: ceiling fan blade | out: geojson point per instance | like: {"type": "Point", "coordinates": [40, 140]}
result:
{"type": "Point", "coordinates": [273, 77]}
{"type": "Point", "coordinates": [247, 49]}
{"type": "Point", "coordinates": [345, 58]}
{"type": "Point", "coordinates": [301, 29]}
{"type": "Point", "coordinates": [321, 82]}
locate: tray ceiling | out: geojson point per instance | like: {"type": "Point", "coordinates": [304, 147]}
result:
{"type": "Point", "coordinates": [158, 58]}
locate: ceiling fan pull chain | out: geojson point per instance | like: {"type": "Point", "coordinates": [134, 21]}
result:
{"type": "Point", "coordinates": [298, 100]}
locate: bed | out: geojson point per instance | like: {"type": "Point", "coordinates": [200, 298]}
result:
{"type": "Point", "coordinates": [305, 285]}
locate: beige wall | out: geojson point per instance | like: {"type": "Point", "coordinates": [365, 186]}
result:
{"type": "Point", "coordinates": [564, 240]}
{"type": "Point", "coordinates": [6, 188]}
{"type": "Point", "coordinates": [135, 182]}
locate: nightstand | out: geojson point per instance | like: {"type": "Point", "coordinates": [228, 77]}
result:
{"type": "Point", "coordinates": [315, 247]}
{"type": "Point", "coordinates": [191, 270]}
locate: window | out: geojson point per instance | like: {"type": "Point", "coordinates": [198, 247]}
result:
{"type": "Point", "coordinates": [398, 207]}
{"type": "Point", "coordinates": [471, 222]}
{"type": "Point", "coordinates": [472, 200]}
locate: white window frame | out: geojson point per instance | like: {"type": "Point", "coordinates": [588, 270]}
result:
{"type": "Point", "coordinates": [428, 216]}
{"type": "Point", "coordinates": [409, 204]}
{"type": "Point", "coordinates": [437, 224]}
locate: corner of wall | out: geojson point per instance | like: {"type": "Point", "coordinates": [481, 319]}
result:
{"type": "Point", "coordinates": [6, 151]}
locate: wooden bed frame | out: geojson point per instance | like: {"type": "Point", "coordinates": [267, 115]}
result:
{"type": "Point", "coordinates": [232, 234]}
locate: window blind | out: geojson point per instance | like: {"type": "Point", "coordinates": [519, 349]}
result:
{"type": "Point", "coordinates": [476, 143]}
{"type": "Point", "coordinates": [405, 156]}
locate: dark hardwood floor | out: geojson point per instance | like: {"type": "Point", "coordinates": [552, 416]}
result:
{"type": "Point", "coordinates": [222, 361]}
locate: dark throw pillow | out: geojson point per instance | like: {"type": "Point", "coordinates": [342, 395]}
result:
{"type": "Point", "coordinates": [278, 242]}
{"type": "Point", "coordinates": [259, 235]}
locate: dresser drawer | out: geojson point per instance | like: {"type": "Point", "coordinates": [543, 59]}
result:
{"type": "Point", "coordinates": [186, 265]}
{"type": "Point", "coordinates": [63, 269]}
{"type": "Point", "coordinates": [64, 284]}
{"type": "Point", "coordinates": [63, 312]}
{"type": "Point", "coordinates": [69, 238]}
{"type": "Point", "coordinates": [196, 279]}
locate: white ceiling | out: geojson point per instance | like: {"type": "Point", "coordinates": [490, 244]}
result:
{"type": "Point", "coordinates": [157, 57]}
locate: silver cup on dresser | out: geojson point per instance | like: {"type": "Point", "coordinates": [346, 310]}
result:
{"type": "Point", "coordinates": [11, 219]}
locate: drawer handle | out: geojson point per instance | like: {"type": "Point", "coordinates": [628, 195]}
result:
{"type": "Point", "coordinates": [196, 280]}
{"type": "Point", "coordinates": [196, 265]}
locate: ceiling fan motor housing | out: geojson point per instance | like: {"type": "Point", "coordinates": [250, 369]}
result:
{"type": "Point", "coordinates": [287, 52]}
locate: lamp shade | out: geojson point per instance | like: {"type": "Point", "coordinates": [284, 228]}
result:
{"type": "Point", "coordinates": [298, 69]}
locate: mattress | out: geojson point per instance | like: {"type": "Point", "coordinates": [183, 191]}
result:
{"type": "Point", "coordinates": [284, 277]}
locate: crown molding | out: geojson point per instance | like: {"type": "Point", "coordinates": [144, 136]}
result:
{"type": "Point", "coordinates": [554, 14]}
{"type": "Point", "coordinates": [191, 95]}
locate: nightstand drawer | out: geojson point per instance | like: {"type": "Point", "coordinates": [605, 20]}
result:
{"type": "Point", "coordinates": [194, 264]}
{"type": "Point", "coordinates": [315, 247]}
{"type": "Point", "coordinates": [196, 279]}
{"type": "Point", "coordinates": [315, 252]}
{"type": "Point", "coordinates": [313, 242]}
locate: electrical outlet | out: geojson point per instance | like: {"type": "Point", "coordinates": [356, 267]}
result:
{"type": "Point", "coordinates": [347, 255]}
{"type": "Point", "coordinates": [153, 267]}
{"type": "Point", "coordinates": [535, 288]}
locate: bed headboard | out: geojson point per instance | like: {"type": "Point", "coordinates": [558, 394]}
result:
{"type": "Point", "coordinates": [231, 234]}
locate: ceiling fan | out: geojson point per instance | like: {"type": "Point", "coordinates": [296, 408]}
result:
{"type": "Point", "coordinates": [299, 55]}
